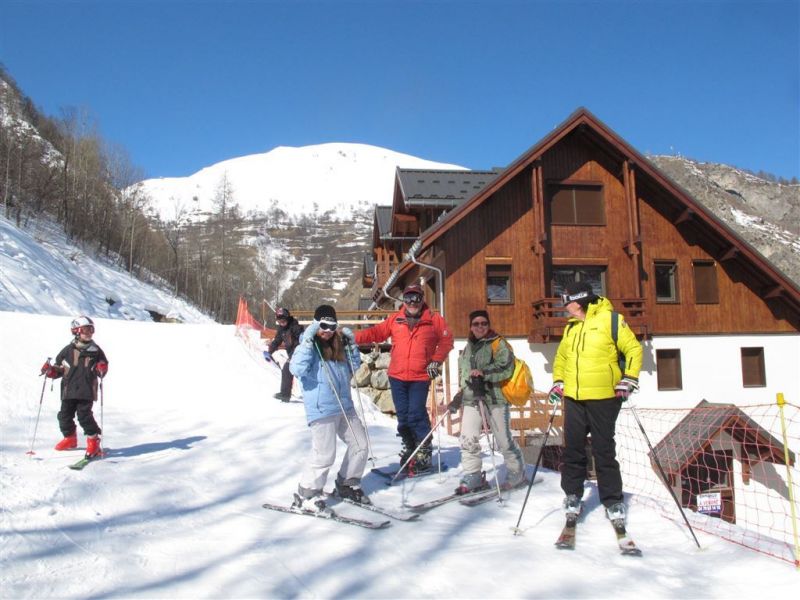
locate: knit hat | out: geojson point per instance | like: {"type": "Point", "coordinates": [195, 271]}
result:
{"type": "Point", "coordinates": [479, 313]}
{"type": "Point", "coordinates": [413, 288]}
{"type": "Point", "coordinates": [282, 313]}
{"type": "Point", "coordinates": [580, 292]}
{"type": "Point", "coordinates": [325, 313]}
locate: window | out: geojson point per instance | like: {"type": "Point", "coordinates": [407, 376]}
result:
{"type": "Point", "coordinates": [498, 284]}
{"type": "Point", "coordinates": [705, 282]}
{"type": "Point", "coordinates": [596, 276]}
{"type": "Point", "coordinates": [577, 205]}
{"type": "Point", "coordinates": [753, 372]}
{"type": "Point", "coordinates": [668, 368]}
{"type": "Point", "coordinates": [666, 276]}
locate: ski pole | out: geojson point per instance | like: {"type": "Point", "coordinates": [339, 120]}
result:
{"type": "Point", "coordinates": [41, 397]}
{"type": "Point", "coordinates": [516, 529]}
{"type": "Point", "coordinates": [102, 452]}
{"type": "Point", "coordinates": [326, 368]}
{"type": "Point", "coordinates": [347, 350]}
{"type": "Point", "coordinates": [663, 475]}
{"type": "Point", "coordinates": [485, 423]}
{"type": "Point", "coordinates": [438, 431]}
{"type": "Point", "coordinates": [425, 439]}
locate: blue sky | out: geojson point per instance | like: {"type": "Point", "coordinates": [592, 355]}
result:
{"type": "Point", "coordinates": [183, 84]}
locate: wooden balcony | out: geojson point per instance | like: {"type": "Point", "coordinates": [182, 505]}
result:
{"type": "Point", "coordinates": [550, 318]}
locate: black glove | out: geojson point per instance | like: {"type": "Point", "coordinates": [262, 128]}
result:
{"type": "Point", "coordinates": [477, 386]}
{"type": "Point", "coordinates": [455, 403]}
{"type": "Point", "coordinates": [434, 369]}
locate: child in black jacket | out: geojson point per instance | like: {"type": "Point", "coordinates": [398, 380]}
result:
{"type": "Point", "coordinates": [79, 365]}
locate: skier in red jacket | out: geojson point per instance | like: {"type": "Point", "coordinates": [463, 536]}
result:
{"type": "Point", "coordinates": [421, 341]}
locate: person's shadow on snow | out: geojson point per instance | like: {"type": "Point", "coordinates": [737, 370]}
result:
{"type": "Point", "coordinates": [182, 444]}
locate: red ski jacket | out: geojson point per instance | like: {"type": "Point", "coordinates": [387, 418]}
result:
{"type": "Point", "coordinates": [412, 348]}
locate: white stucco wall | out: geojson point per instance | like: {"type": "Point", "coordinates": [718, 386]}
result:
{"type": "Point", "coordinates": [711, 369]}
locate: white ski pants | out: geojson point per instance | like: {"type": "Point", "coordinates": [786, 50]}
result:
{"type": "Point", "coordinates": [323, 451]}
{"type": "Point", "coordinates": [499, 418]}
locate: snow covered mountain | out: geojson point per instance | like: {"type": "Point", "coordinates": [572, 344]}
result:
{"type": "Point", "coordinates": [308, 212]}
{"type": "Point", "coordinates": [341, 179]}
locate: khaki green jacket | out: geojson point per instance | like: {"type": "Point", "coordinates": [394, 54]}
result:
{"type": "Point", "coordinates": [497, 366]}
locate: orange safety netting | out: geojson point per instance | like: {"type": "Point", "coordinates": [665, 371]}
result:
{"type": "Point", "coordinates": [732, 469]}
{"type": "Point", "coordinates": [248, 328]}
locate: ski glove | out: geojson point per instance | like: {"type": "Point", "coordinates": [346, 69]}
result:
{"type": "Point", "coordinates": [101, 368]}
{"type": "Point", "coordinates": [268, 356]}
{"type": "Point", "coordinates": [311, 331]}
{"type": "Point", "coordinates": [626, 386]}
{"type": "Point", "coordinates": [434, 369]}
{"type": "Point", "coordinates": [556, 392]}
{"type": "Point", "coordinates": [50, 371]}
{"type": "Point", "coordinates": [456, 402]}
{"type": "Point", "coordinates": [349, 336]}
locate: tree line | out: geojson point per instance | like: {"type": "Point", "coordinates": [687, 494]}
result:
{"type": "Point", "coordinates": [63, 168]}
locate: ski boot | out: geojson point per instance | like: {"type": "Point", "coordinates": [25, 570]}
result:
{"type": "Point", "coordinates": [617, 513]}
{"type": "Point", "coordinates": [353, 492]}
{"type": "Point", "coordinates": [93, 449]}
{"type": "Point", "coordinates": [514, 479]}
{"type": "Point", "coordinates": [572, 505]}
{"type": "Point", "coordinates": [69, 442]}
{"type": "Point", "coordinates": [310, 501]}
{"type": "Point", "coordinates": [472, 482]}
{"type": "Point", "coordinates": [422, 460]}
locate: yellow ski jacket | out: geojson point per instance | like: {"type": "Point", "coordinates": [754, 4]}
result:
{"type": "Point", "coordinates": [586, 359]}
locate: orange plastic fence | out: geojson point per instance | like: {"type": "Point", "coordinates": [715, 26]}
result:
{"type": "Point", "coordinates": [246, 324]}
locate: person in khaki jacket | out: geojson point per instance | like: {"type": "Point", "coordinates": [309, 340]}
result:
{"type": "Point", "coordinates": [588, 377]}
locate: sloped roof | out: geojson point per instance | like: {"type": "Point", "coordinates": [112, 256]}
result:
{"type": "Point", "coordinates": [706, 420]}
{"type": "Point", "coordinates": [440, 188]}
{"type": "Point", "coordinates": [383, 221]}
{"type": "Point", "coordinates": [780, 284]}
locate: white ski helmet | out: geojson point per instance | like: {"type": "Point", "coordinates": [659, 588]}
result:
{"type": "Point", "coordinates": [79, 322]}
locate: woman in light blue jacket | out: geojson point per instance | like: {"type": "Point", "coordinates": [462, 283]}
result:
{"type": "Point", "coordinates": [322, 364]}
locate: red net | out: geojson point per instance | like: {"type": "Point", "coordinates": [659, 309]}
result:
{"type": "Point", "coordinates": [249, 329]}
{"type": "Point", "coordinates": [732, 469]}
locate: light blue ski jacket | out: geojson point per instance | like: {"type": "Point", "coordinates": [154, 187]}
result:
{"type": "Point", "coordinates": [318, 395]}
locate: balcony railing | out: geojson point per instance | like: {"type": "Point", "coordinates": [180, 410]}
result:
{"type": "Point", "coordinates": [550, 318]}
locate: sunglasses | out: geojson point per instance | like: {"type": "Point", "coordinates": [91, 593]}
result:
{"type": "Point", "coordinates": [328, 326]}
{"type": "Point", "coordinates": [412, 299]}
{"type": "Point", "coordinates": [479, 324]}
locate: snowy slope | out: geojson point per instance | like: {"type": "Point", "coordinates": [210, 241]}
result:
{"type": "Point", "coordinates": [196, 444]}
{"type": "Point", "coordinates": [339, 177]}
{"type": "Point", "coordinates": [41, 272]}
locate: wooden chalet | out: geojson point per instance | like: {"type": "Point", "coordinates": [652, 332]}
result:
{"type": "Point", "coordinates": [582, 204]}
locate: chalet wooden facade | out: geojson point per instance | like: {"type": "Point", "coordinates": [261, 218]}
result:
{"type": "Point", "coordinates": [582, 204]}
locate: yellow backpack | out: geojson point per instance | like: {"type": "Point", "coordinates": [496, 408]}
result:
{"type": "Point", "coordinates": [518, 388]}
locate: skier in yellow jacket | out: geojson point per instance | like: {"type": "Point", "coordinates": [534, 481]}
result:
{"type": "Point", "coordinates": [588, 377]}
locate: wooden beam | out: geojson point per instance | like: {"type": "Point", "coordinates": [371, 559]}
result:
{"type": "Point", "coordinates": [773, 292]}
{"type": "Point", "coordinates": [729, 254]}
{"type": "Point", "coordinates": [686, 215]}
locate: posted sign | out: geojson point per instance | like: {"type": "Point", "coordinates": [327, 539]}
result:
{"type": "Point", "coordinates": [709, 503]}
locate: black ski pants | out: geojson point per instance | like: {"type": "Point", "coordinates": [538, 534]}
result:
{"type": "Point", "coordinates": [286, 379]}
{"type": "Point", "coordinates": [598, 417]}
{"type": "Point", "coordinates": [66, 417]}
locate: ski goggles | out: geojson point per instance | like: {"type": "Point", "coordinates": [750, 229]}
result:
{"type": "Point", "coordinates": [567, 298]}
{"type": "Point", "coordinates": [328, 325]}
{"type": "Point", "coordinates": [85, 329]}
{"type": "Point", "coordinates": [412, 298]}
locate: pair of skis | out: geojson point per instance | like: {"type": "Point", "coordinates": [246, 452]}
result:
{"type": "Point", "coordinates": [332, 515]}
{"type": "Point", "coordinates": [474, 498]}
{"type": "Point", "coordinates": [566, 540]}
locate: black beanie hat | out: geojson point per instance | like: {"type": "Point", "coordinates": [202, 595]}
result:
{"type": "Point", "coordinates": [325, 312]}
{"type": "Point", "coordinates": [479, 313]}
{"type": "Point", "coordinates": [580, 292]}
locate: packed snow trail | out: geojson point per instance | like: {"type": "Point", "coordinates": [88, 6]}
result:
{"type": "Point", "coordinates": [195, 444]}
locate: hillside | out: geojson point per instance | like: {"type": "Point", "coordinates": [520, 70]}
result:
{"type": "Point", "coordinates": [765, 214]}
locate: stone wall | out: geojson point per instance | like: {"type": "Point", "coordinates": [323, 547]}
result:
{"type": "Point", "coordinates": [371, 378]}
